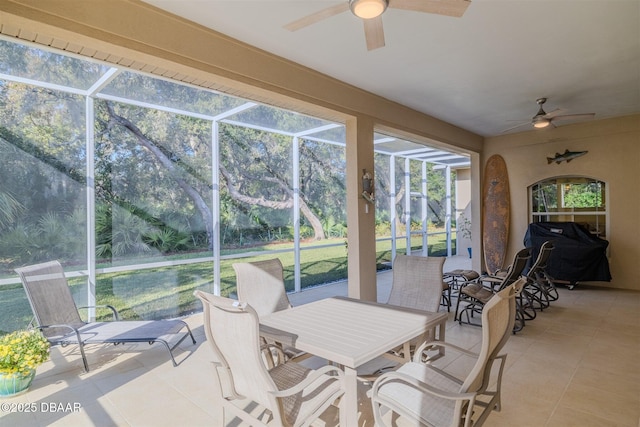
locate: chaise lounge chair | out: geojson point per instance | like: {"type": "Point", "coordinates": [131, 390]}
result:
{"type": "Point", "coordinates": [57, 316]}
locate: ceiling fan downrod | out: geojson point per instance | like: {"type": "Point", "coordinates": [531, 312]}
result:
{"type": "Point", "coordinates": [539, 120]}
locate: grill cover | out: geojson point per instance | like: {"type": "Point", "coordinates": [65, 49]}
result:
{"type": "Point", "coordinates": [579, 256]}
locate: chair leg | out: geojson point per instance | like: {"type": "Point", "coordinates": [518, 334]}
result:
{"type": "Point", "coordinates": [455, 315]}
{"type": "Point", "coordinates": [84, 356]}
{"type": "Point", "coordinates": [519, 323]}
{"type": "Point", "coordinates": [446, 298]}
{"type": "Point", "coordinates": [525, 302]}
{"type": "Point", "coordinates": [81, 345]}
{"type": "Point", "coordinates": [550, 288]}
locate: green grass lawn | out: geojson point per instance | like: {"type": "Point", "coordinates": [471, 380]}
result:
{"type": "Point", "coordinates": [167, 292]}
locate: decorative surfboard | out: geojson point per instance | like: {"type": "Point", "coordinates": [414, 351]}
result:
{"type": "Point", "coordinates": [496, 207]}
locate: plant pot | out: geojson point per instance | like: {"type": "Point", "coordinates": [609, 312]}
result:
{"type": "Point", "coordinates": [469, 250]}
{"type": "Point", "coordinates": [15, 384]}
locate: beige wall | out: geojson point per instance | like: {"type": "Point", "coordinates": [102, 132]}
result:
{"type": "Point", "coordinates": [613, 156]}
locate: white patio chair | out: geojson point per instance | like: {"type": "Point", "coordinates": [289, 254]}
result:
{"type": "Point", "coordinates": [56, 314]}
{"type": "Point", "coordinates": [429, 396]}
{"type": "Point", "coordinates": [417, 283]}
{"type": "Point", "coordinates": [289, 394]}
{"type": "Point", "coordinates": [261, 285]}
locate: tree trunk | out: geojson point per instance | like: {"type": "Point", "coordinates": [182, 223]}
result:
{"type": "Point", "coordinates": [314, 221]}
{"type": "Point", "coordinates": [170, 165]}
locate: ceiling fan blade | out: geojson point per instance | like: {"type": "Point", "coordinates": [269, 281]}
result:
{"type": "Point", "coordinates": [318, 16]}
{"type": "Point", "coordinates": [517, 126]}
{"type": "Point", "coordinates": [574, 116]}
{"type": "Point", "coordinates": [455, 8]}
{"type": "Point", "coordinates": [373, 32]}
{"type": "Point", "coordinates": [552, 114]}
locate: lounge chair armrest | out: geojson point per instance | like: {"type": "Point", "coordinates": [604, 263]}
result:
{"type": "Point", "coordinates": [71, 328]}
{"type": "Point", "coordinates": [314, 376]}
{"type": "Point", "coordinates": [114, 312]}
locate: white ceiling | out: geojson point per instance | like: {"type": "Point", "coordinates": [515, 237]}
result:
{"type": "Point", "coordinates": [482, 72]}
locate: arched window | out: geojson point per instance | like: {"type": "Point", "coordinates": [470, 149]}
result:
{"type": "Point", "coordinates": [570, 199]}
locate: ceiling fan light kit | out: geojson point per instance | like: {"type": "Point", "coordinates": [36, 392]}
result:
{"type": "Point", "coordinates": [368, 9]}
{"type": "Point", "coordinates": [540, 122]}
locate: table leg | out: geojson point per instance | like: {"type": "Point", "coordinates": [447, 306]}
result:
{"type": "Point", "coordinates": [406, 350]}
{"type": "Point", "coordinates": [442, 326]}
{"type": "Point", "coordinates": [349, 413]}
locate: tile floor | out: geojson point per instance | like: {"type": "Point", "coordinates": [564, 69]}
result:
{"type": "Point", "coordinates": [576, 364]}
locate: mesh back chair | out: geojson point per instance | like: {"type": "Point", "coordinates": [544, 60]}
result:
{"type": "Point", "coordinates": [261, 285]}
{"type": "Point", "coordinates": [474, 296]}
{"type": "Point", "coordinates": [57, 316]}
{"type": "Point", "coordinates": [426, 395]}
{"type": "Point", "coordinates": [417, 283]}
{"type": "Point", "coordinates": [289, 394]}
{"type": "Point", "coordinates": [540, 287]}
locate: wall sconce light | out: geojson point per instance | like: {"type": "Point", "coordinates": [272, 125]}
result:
{"type": "Point", "coordinates": [367, 187]}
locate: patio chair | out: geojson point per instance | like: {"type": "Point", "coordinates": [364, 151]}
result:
{"type": "Point", "coordinates": [289, 394]}
{"type": "Point", "coordinates": [417, 283]}
{"type": "Point", "coordinates": [540, 287]}
{"type": "Point", "coordinates": [427, 395]}
{"type": "Point", "coordinates": [56, 315]}
{"type": "Point", "coordinates": [261, 285]}
{"type": "Point", "coordinates": [473, 296]}
{"type": "Point", "coordinates": [457, 278]}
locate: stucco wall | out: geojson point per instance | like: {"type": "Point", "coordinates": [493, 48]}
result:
{"type": "Point", "coordinates": [613, 156]}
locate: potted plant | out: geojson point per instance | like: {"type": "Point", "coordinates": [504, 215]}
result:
{"type": "Point", "coordinates": [463, 227]}
{"type": "Point", "coordinates": [21, 352]}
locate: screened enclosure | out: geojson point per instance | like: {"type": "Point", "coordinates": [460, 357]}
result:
{"type": "Point", "coordinates": [147, 189]}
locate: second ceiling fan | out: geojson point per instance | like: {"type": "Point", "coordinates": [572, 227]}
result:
{"type": "Point", "coordinates": [542, 119]}
{"type": "Point", "coordinates": [370, 11]}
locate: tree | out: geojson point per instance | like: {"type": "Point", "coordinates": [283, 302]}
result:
{"type": "Point", "coordinates": [256, 169]}
{"type": "Point", "coordinates": [172, 163]}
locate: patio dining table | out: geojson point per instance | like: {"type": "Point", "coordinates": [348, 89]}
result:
{"type": "Point", "coordinates": [350, 332]}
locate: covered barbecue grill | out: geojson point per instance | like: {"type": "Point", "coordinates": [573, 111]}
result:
{"type": "Point", "coordinates": [579, 256]}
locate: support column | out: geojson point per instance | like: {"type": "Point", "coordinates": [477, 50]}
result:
{"type": "Point", "coordinates": [360, 213]}
{"type": "Point", "coordinates": [91, 207]}
{"type": "Point", "coordinates": [476, 219]}
{"type": "Point", "coordinates": [215, 205]}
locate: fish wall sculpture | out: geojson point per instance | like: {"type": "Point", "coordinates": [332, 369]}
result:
{"type": "Point", "coordinates": [567, 156]}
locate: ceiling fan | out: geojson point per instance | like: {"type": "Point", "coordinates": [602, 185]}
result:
{"type": "Point", "coordinates": [542, 119]}
{"type": "Point", "coordinates": [370, 11]}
